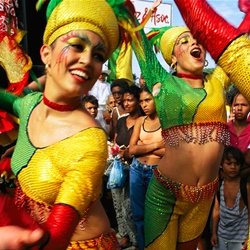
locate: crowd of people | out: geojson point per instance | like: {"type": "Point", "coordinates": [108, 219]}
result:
{"type": "Point", "coordinates": [186, 161]}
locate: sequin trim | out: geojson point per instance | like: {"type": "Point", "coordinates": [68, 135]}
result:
{"type": "Point", "coordinates": [191, 194]}
{"type": "Point", "coordinates": [199, 133]}
{"type": "Point", "coordinates": [106, 241]}
{"type": "Point", "coordinates": [38, 210]}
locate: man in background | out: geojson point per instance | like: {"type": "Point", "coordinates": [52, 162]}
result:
{"type": "Point", "coordinates": [101, 90]}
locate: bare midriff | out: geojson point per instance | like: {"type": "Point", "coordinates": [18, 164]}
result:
{"type": "Point", "coordinates": [149, 160]}
{"type": "Point", "coordinates": [190, 163]}
{"type": "Point", "coordinates": [95, 224]}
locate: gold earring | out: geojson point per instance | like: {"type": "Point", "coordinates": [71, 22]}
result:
{"type": "Point", "coordinates": [46, 67]}
{"type": "Point", "coordinates": [206, 63]}
{"type": "Point", "coordinates": [173, 66]}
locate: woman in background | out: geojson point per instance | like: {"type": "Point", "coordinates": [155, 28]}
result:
{"type": "Point", "coordinates": [121, 196]}
{"type": "Point", "coordinates": [147, 146]}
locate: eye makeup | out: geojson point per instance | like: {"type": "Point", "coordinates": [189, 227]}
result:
{"type": "Point", "coordinates": [184, 39]}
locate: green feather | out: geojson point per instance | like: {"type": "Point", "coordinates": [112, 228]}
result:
{"type": "Point", "coordinates": [155, 36]}
{"type": "Point", "coordinates": [51, 6]}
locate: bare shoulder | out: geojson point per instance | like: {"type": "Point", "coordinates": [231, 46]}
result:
{"type": "Point", "coordinates": [138, 123]}
{"type": "Point", "coordinates": [140, 119]}
{"type": "Point", "coordinates": [84, 120]}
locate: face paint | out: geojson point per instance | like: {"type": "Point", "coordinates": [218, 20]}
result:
{"type": "Point", "coordinates": [76, 60]}
{"type": "Point", "coordinates": [79, 44]}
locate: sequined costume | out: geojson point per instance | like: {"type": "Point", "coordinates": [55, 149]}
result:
{"type": "Point", "coordinates": [48, 178]}
{"type": "Point", "coordinates": [188, 108]}
{"type": "Point", "coordinates": [166, 214]}
{"type": "Point", "coordinates": [227, 45]}
{"type": "Point", "coordinates": [193, 115]}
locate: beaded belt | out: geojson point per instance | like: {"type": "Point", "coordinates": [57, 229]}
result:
{"type": "Point", "coordinates": [106, 241]}
{"type": "Point", "coordinates": [191, 194]}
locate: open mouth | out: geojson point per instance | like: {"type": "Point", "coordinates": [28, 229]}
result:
{"type": "Point", "coordinates": [196, 53]}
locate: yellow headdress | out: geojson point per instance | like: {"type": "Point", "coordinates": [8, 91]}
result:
{"type": "Point", "coordinates": [94, 15]}
{"type": "Point", "coordinates": [165, 38]}
{"type": "Point", "coordinates": [168, 41]}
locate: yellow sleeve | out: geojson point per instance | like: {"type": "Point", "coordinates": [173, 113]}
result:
{"type": "Point", "coordinates": [83, 178]}
{"type": "Point", "coordinates": [235, 61]}
{"type": "Point", "coordinates": [68, 172]}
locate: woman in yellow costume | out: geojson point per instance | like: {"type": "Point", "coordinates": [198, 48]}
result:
{"type": "Point", "coordinates": [61, 151]}
{"type": "Point", "coordinates": [191, 108]}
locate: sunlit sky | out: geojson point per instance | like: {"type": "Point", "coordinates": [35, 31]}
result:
{"type": "Point", "coordinates": [227, 9]}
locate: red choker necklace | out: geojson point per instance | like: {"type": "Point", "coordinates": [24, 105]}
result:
{"type": "Point", "coordinates": [189, 76]}
{"type": "Point", "coordinates": [60, 107]}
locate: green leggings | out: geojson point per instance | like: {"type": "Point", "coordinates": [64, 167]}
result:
{"type": "Point", "coordinates": [170, 220]}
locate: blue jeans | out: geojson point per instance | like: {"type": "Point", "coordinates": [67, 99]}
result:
{"type": "Point", "coordinates": [140, 175]}
{"type": "Point", "coordinates": [224, 245]}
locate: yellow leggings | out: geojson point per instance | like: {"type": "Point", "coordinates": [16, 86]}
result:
{"type": "Point", "coordinates": [175, 214]}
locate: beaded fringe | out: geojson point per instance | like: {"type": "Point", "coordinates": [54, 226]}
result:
{"type": "Point", "coordinates": [191, 194]}
{"type": "Point", "coordinates": [38, 210]}
{"type": "Point", "coordinates": [199, 133]}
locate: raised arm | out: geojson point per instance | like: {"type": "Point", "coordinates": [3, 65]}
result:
{"type": "Point", "coordinates": [150, 67]}
{"type": "Point", "coordinates": [244, 6]}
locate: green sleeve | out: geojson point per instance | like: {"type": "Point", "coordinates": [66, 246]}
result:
{"type": "Point", "coordinates": [150, 67]}
{"type": "Point", "coordinates": [10, 102]}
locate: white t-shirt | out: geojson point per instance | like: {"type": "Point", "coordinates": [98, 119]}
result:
{"type": "Point", "coordinates": [101, 91]}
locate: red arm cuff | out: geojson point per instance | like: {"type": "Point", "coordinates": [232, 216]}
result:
{"type": "Point", "coordinates": [61, 225]}
{"type": "Point", "coordinates": [207, 26]}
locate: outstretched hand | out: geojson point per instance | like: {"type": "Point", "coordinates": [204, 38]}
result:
{"type": "Point", "coordinates": [156, 4]}
{"type": "Point", "coordinates": [244, 5]}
